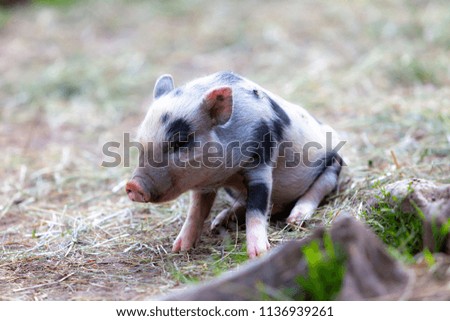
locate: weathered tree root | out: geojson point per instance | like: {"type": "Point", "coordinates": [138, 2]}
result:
{"type": "Point", "coordinates": [370, 272]}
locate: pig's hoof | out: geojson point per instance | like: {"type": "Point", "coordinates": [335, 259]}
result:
{"type": "Point", "coordinates": [257, 245]}
{"type": "Point", "coordinates": [297, 220]}
{"type": "Point", "coordinates": [221, 220]}
{"type": "Point", "coordinates": [299, 217]}
{"type": "Point", "coordinates": [256, 250]}
{"type": "Point", "coordinates": [183, 244]}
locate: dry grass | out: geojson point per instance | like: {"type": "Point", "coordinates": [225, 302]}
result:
{"type": "Point", "coordinates": [74, 77]}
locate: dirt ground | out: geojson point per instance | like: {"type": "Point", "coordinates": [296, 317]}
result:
{"type": "Point", "coordinates": [75, 76]}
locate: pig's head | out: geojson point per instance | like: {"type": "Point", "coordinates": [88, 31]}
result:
{"type": "Point", "coordinates": [178, 124]}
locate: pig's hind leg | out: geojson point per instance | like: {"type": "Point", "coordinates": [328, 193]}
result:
{"type": "Point", "coordinates": [306, 205]}
{"type": "Point", "coordinates": [236, 213]}
{"type": "Point", "coordinates": [200, 207]}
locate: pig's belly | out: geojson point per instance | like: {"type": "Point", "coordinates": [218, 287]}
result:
{"type": "Point", "coordinates": [289, 184]}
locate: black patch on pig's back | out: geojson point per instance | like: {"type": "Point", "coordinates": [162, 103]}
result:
{"type": "Point", "coordinates": [278, 129]}
{"type": "Point", "coordinates": [264, 139]}
{"type": "Point", "coordinates": [281, 114]}
{"type": "Point", "coordinates": [280, 120]}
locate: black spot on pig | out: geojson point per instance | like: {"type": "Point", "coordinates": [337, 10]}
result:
{"type": "Point", "coordinates": [229, 191]}
{"type": "Point", "coordinates": [179, 133]}
{"type": "Point", "coordinates": [234, 194]}
{"type": "Point", "coordinates": [334, 160]}
{"type": "Point", "coordinates": [265, 142]}
{"type": "Point", "coordinates": [331, 160]}
{"type": "Point", "coordinates": [257, 198]}
{"type": "Point", "coordinates": [278, 129]}
{"type": "Point", "coordinates": [228, 77]}
{"type": "Point", "coordinates": [179, 125]}
{"type": "Point", "coordinates": [177, 92]}
{"type": "Point", "coordinates": [331, 157]}
{"type": "Point", "coordinates": [281, 114]}
{"type": "Point", "coordinates": [164, 118]}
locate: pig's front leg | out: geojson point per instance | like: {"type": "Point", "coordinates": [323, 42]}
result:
{"type": "Point", "coordinates": [199, 210]}
{"type": "Point", "coordinates": [259, 189]}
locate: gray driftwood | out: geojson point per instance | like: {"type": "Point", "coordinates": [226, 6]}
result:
{"type": "Point", "coordinates": [370, 271]}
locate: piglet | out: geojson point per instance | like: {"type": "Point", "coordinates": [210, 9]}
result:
{"type": "Point", "coordinates": [224, 131]}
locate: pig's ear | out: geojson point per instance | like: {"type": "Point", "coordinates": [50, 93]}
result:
{"type": "Point", "coordinates": [218, 103]}
{"type": "Point", "coordinates": [163, 85]}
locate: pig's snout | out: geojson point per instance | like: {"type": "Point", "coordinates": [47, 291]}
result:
{"type": "Point", "coordinates": [136, 192]}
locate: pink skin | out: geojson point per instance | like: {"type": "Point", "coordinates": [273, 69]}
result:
{"type": "Point", "coordinates": [136, 193]}
{"type": "Point", "coordinates": [257, 243]}
{"type": "Point", "coordinates": [199, 210]}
